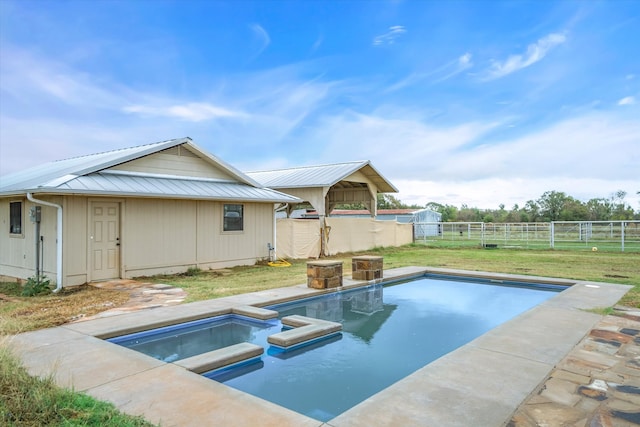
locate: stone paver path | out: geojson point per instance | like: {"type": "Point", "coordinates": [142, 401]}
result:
{"type": "Point", "coordinates": [142, 295]}
{"type": "Point", "coordinates": [596, 385]}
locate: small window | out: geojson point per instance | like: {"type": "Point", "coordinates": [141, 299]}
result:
{"type": "Point", "coordinates": [15, 218]}
{"type": "Point", "coordinates": [233, 218]}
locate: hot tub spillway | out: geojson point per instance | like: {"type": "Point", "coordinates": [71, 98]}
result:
{"type": "Point", "coordinates": [302, 331]}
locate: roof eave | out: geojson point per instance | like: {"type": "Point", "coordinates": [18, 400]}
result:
{"type": "Point", "coordinates": [153, 148]}
{"type": "Point", "coordinates": [279, 198]}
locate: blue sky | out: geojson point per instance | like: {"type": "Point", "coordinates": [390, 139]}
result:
{"type": "Point", "coordinates": [475, 102]}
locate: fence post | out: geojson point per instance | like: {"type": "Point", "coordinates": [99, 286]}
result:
{"type": "Point", "coordinates": [622, 234]}
{"type": "Point", "coordinates": [551, 234]}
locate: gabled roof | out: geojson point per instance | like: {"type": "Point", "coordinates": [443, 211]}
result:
{"type": "Point", "coordinates": [88, 175]}
{"type": "Point", "coordinates": [321, 176]}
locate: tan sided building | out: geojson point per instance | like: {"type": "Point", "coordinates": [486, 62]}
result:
{"type": "Point", "coordinates": [150, 209]}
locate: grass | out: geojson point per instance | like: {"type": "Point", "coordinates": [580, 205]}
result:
{"type": "Point", "coordinates": [613, 267]}
{"type": "Point", "coordinates": [22, 314]}
{"type": "Point", "coordinates": [28, 401]}
{"type": "Point", "coordinates": [31, 401]}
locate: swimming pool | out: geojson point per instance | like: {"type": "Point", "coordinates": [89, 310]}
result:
{"type": "Point", "coordinates": [388, 333]}
{"type": "Point", "coordinates": [181, 341]}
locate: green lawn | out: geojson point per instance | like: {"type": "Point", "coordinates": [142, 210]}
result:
{"type": "Point", "coordinates": [600, 266]}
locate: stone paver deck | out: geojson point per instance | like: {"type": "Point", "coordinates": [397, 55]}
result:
{"type": "Point", "coordinates": [555, 364]}
{"type": "Point", "coordinates": [596, 385]}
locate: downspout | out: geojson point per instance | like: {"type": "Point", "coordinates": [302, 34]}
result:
{"type": "Point", "coordinates": [58, 239]}
{"type": "Point", "coordinates": [275, 236]}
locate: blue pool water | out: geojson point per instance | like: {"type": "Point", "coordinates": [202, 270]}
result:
{"type": "Point", "coordinates": [388, 333]}
{"type": "Point", "coordinates": [184, 340]}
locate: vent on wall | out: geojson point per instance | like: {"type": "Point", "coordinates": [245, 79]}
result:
{"type": "Point", "coordinates": [179, 151]}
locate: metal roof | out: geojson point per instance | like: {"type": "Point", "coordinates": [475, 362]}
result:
{"type": "Point", "coordinates": [321, 176]}
{"type": "Point", "coordinates": [87, 175]}
{"type": "Point", "coordinates": [124, 184]}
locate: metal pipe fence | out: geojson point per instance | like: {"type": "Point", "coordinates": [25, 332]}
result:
{"type": "Point", "coordinates": [621, 236]}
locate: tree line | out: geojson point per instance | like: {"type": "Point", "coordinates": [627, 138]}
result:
{"type": "Point", "coordinates": [551, 206]}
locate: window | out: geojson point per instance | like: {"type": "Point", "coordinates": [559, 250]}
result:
{"type": "Point", "coordinates": [15, 218]}
{"type": "Point", "coordinates": [233, 218]}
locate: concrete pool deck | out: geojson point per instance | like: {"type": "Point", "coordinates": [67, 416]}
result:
{"type": "Point", "coordinates": [488, 382]}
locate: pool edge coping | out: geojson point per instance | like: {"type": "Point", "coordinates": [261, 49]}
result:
{"type": "Point", "coordinates": [353, 416]}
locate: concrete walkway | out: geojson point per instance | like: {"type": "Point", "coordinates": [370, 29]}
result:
{"type": "Point", "coordinates": [553, 365]}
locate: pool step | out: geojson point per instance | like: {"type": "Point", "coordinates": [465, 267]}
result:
{"type": "Point", "coordinates": [305, 329]}
{"type": "Point", "coordinates": [219, 358]}
{"type": "Point", "coordinates": [254, 312]}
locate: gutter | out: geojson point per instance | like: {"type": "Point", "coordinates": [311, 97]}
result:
{"type": "Point", "coordinates": [58, 239]}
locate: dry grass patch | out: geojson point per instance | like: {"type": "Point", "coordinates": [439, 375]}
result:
{"type": "Point", "coordinates": [22, 314]}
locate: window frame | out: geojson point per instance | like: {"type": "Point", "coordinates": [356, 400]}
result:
{"type": "Point", "coordinates": [227, 209]}
{"type": "Point", "coordinates": [12, 217]}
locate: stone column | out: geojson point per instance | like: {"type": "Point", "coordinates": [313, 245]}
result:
{"type": "Point", "coordinates": [324, 274]}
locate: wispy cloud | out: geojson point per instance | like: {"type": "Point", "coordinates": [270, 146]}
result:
{"type": "Point", "coordinates": [535, 52]}
{"type": "Point", "coordinates": [192, 111]}
{"type": "Point", "coordinates": [349, 135]}
{"type": "Point", "coordinates": [442, 73]}
{"type": "Point", "coordinates": [262, 37]}
{"type": "Point", "coordinates": [390, 36]}
{"type": "Point", "coordinates": [461, 64]}
{"type": "Point", "coordinates": [317, 43]}
{"type": "Point", "coordinates": [627, 100]}
{"type": "Point", "coordinates": [26, 77]}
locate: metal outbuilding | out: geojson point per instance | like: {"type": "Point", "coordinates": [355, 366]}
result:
{"type": "Point", "coordinates": [150, 209]}
{"type": "Point", "coordinates": [325, 186]}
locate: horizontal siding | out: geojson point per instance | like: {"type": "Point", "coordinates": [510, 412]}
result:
{"type": "Point", "coordinates": [216, 246]}
{"type": "Point", "coordinates": [18, 254]}
{"type": "Point", "coordinates": [172, 164]}
{"type": "Point", "coordinates": [158, 233]}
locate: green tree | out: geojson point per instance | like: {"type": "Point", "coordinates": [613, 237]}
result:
{"type": "Point", "coordinates": [621, 210]}
{"type": "Point", "coordinates": [532, 211]}
{"type": "Point", "coordinates": [573, 210]}
{"type": "Point", "coordinates": [598, 209]}
{"type": "Point", "coordinates": [467, 214]}
{"type": "Point", "coordinates": [551, 204]}
{"type": "Point", "coordinates": [449, 213]}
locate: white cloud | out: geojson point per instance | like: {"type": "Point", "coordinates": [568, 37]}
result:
{"type": "Point", "coordinates": [390, 36]}
{"type": "Point", "coordinates": [407, 147]}
{"type": "Point", "coordinates": [491, 192]}
{"type": "Point", "coordinates": [26, 77]}
{"type": "Point", "coordinates": [465, 60]}
{"type": "Point", "coordinates": [262, 36]}
{"type": "Point", "coordinates": [628, 100]}
{"type": "Point", "coordinates": [440, 74]}
{"type": "Point", "coordinates": [586, 147]}
{"type": "Point", "coordinates": [586, 156]}
{"type": "Point", "coordinates": [535, 52]}
{"type": "Point", "coordinates": [251, 110]}
{"type": "Point", "coordinates": [45, 140]}
{"type": "Point", "coordinates": [461, 64]}
{"type": "Point", "coordinates": [193, 111]}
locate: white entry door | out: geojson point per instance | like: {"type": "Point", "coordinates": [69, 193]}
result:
{"type": "Point", "coordinates": [104, 240]}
